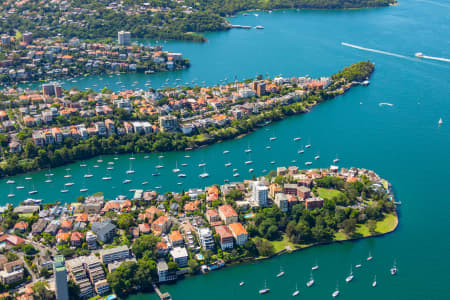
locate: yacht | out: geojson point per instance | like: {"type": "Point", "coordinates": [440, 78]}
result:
{"type": "Point", "coordinates": [69, 184]}
{"type": "Point", "coordinates": [226, 151]}
{"type": "Point", "coordinates": [179, 183]}
{"type": "Point", "coordinates": [155, 174]}
{"type": "Point", "coordinates": [235, 170]}
{"type": "Point", "coordinates": [281, 272]}
{"type": "Point", "coordinates": [272, 162]}
{"type": "Point", "coordinates": [248, 162]}
{"type": "Point", "coordinates": [182, 175]}
{"type": "Point", "coordinates": [107, 178]}
{"type": "Point", "coordinates": [145, 183]}
{"type": "Point", "coordinates": [440, 122]}
{"type": "Point", "coordinates": [110, 168]}
{"type": "Point", "coordinates": [48, 181]}
{"type": "Point", "coordinates": [227, 164]}
{"type": "Point", "coordinates": [308, 146]}
{"type": "Point", "coordinates": [358, 266]}
{"type": "Point", "coordinates": [308, 163]}
{"type": "Point", "coordinates": [126, 181]}
{"type": "Point", "coordinates": [272, 138]}
{"type": "Point", "coordinates": [49, 174]}
{"type": "Point", "coordinates": [100, 160]}
{"type": "Point", "coordinates": [370, 257]}
{"type": "Point", "coordinates": [28, 178]}
{"type": "Point", "coordinates": [176, 170]}
{"type": "Point", "coordinates": [132, 157]}
{"type": "Point", "coordinates": [130, 170]}
{"type": "Point", "coordinates": [265, 289]}
{"type": "Point", "coordinates": [64, 191]}
{"type": "Point", "coordinates": [241, 283]}
{"type": "Point", "coordinates": [20, 187]}
{"type": "Point", "coordinates": [349, 277]}
{"type": "Point", "coordinates": [248, 150]}
{"type": "Point", "coordinates": [88, 175]}
{"type": "Point", "coordinates": [297, 139]}
{"type": "Point", "coordinates": [110, 163]}
{"type": "Point", "coordinates": [235, 174]}
{"type": "Point", "coordinates": [32, 192]}
{"type": "Point", "coordinates": [310, 283]}
{"type": "Point", "coordinates": [394, 269]}
{"type": "Point", "coordinates": [316, 157]}
{"type": "Point", "coordinates": [251, 170]}
{"type": "Point", "coordinates": [184, 165]}
{"type": "Point", "coordinates": [10, 182]}
{"type": "Point", "coordinates": [296, 292]}
{"type": "Point", "coordinates": [293, 161]}
{"type": "Point", "coordinates": [374, 283]}
{"type": "Point", "coordinates": [11, 195]}
{"type": "Point", "coordinates": [202, 165]}
{"type": "Point", "coordinates": [268, 147]}
{"type": "Point", "coordinates": [204, 175]}
{"type": "Point", "coordinates": [159, 166]}
{"type": "Point", "coordinates": [315, 267]}
{"type": "Point", "coordinates": [300, 151]}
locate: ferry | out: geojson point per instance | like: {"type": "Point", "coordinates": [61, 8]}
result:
{"type": "Point", "coordinates": [265, 290]}
{"type": "Point", "coordinates": [374, 283]}
{"type": "Point", "coordinates": [182, 175]}
{"type": "Point", "coordinates": [227, 164]}
{"type": "Point", "coordinates": [281, 272]}
{"type": "Point", "coordinates": [297, 139]}
{"type": "Point", "coordinates": [126, 181]}
{"type": "Point", "coordinates": [10, 182]}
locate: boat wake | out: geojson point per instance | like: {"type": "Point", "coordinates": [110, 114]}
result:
{"type": "Point", "coordinates": [435, 3]}
{"type": "Point", "coordinates": [375, 50]}
{"type": "Point", "coordinates": [435, 58]}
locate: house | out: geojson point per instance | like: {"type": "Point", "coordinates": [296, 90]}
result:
{"type": "Point", "coordinates": [228, 214]}
{"type": "Point", "coordinates": [213, 217]}
{"type": "Point", "coordinates": [21, 226]}
{"type": "Point", "coordinates": [144, 228]}
{"type": "Point", "coordinates": [39, 226]}
{"type": "Point", "coordinates": [163, 272]}
{"type": "Point", "coordinates": [303, 192]}
{"type": "Point", "coordinates": [176, 239]}
{"type": "Point", "coordinates": [76, 239]}
{"type": "Point", "coordinates": [180, 256]}
{"type": "Point", "coordinates": [105, 231]}
{"type": "Point", "coordinates": [282, 202]}
{"type": "Point", "coordinates": [314, 202]}
{"type": "Point", "coordinates": [239, 233]}
{"type": "Point", "coordinates": [225, 237]}
{"type": "Point", "coordinates": [161, 225]}
{"type": "Point", "coordinates": [206, 238]}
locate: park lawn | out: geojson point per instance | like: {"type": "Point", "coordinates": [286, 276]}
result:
{"type": "Point", "coordinates": [281, 245]}
{"type": "Point", "coordinates": [328, 193]}
{"type": "Point", "coordinates": [388, 224]}
{"type": "Point", "coordinates": [340, 236]}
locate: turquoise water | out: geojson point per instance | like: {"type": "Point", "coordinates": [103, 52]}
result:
{"type": "Point", "coordinates": [402, 143]}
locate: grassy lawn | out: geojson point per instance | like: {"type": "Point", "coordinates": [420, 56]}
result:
{"type": "Point", "coordinates": [386, 225]}
{"type": "Point", "coordinates": [328, 193]}
{"type": "Point", "coordinates": [280, 245]}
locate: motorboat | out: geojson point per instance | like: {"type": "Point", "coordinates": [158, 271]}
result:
{"type": "Point", "coordinates": [297, 139]}
{"type": "Point", "coordinates": [204, 175]}
{"type": "Point", "coordinates": [316, 157]}
{"type": "Point", "coordinates": [370, 257]}
{"type": "Point", "coordinates": [126, 181]}
{"type": "Point", "coordinates": [241, 283]}
{"type": "Point", "coordinates": [235, 174]}
{"type": "Point", "coordinates": [202, 165]}
{"type": "Point", "coordinates": [308, 146]}
{"type": "Point", "coordinates": [20, 187]}
{"type": "Point", "coordinates": [88, 175]}
{"type": "Point", "coordinates": [227, 164]}
{"type": "Point", "coordinates": [308, 163]}
{"type": "Point", "coordinates": [374, 283]}
{"type": "Point", "coordinates": [226, 151]}
{"type": "Point", "coordinates": [10, 182]}
{"type": "Point", "coordinates": [310, 282]}
{"type": "Point", "coordinates": [69, 184]}
{"type": "Point", "coordinates": [107, 178]}
{"type": "Point", "coordinates": [394, 269]}
{"type": "Point", "coordinates": [155, 174]}
{"type": "Point", "coordinates": [182, 175]}
{"type": "Point", "coordinates": [296, 292]}
{"type": "Point", "coordinates": [248, 162]}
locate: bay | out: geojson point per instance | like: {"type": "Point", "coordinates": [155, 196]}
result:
{"type": "Point", "coordinates": [402, 143]}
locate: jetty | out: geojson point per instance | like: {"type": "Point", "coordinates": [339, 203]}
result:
{"type": "Point", "coordinates": [162, 296]}
{"type": "Point", "coordinates": [241, 26]}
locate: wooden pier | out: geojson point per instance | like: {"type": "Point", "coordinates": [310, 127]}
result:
{"type": "Point", "coordinates": [162, 296]}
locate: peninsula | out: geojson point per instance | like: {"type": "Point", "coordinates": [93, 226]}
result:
{"type": "Point", "coordinates": [131, 244]}
{"type": "Point", "coordinates": [53, 127]}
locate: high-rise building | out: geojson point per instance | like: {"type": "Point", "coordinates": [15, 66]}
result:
{"type": "Point", "coordinates": [260, 193]}
{"type": "Point", "coordinates": [27, 37]}
{"type": "Point", "coordinates": [59, 269]}
{"type": "Point", "coordinates": [168, 123]}
{"type": "Point", "coordinates": [124, 38]}
{"type": "Point", "coordinates": [52, 89]}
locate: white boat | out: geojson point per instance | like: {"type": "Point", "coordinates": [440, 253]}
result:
{"type": "Point", "coordinates": [67, 176]}
{"type": "Point", "coordinates": [227, 164]}
{"type": "Point", "coordinates": [95, 166]}
{"type": "Point", "coordinates": [20, 187]}
{"type": "Point", "coordinates": [132, 157]}
{"type": "Point", "coordinates": [300, 151]}
{"type": "Point", "coordinates": [155, 174]}
{"type": "Point", "coordinates": [161, 156]}
{"type": "Point", "coordinates": [179, 183]}
{"type": "Point", "coordinates": [349, 277]}
{"type": "Point", "coordinates": [235, 170]}
{"type": "Point", "coordinates": [336, 160]}
{"type": "Point", "coordinates": [204, 175]}
{"type": "Point", "coordinates": [296, 292]}
{"type": "Point", "coordinates": [241, 283]}
{"type": "Point", "coordinates": [316, 157]}
{"type": "Point", "coordinates": [145, 183]}
{"type": "Point", "coordinates": [82, 165]}
{"type": "Point", "coordinates": [88, 175]}
{"type": "Point", "coordinates": [370, 257]}
{"type": "Point", "coordinates": [28, 178]}
{"type": "Point", "coordinates": [265, 289]}
{"type": "Point", "coordinates": [259, 27]}
{"type": "Point", "coordinates": [297, 139]}
{"type": "Point", "coordinates": [11, 195]}
{"type": "Point", "coordinates": [184, 165]}
{"type": "Point", "coordinates": [251, 170]}
{"type": "Point", "coordinates": [33, 192]}
{"type": "Point", "coordinates": [10, 182]}
{"type": "Point", "coordinates": [293, 161]}
{"type": "Point", "coordinates": [310, 283]}
{"type": "Point", "coordinates": [272, 162]}
{"type": "Point", "coordinates": [146, 156]}
{"type": "Point", "coordinates": [374, 283]}
{"type": "Point", "coordinates": [176, 170]}
{"type": "Point", "coordinates": [385, 104]}
{"type": "Point", "coordinates": [394, 269]}
{"type": "Point", "coordinates": [358, 266]}
{"type": "Point", "coordinates": [226, 151]}
{"type": "Point", "coordinates": [126, 181]}
{"type": "Point", "coordinates": [110, 163]}
{"type": "Point", "coordinates": [281, 272]}
{"type": "Point", "coordinates": [248, 162]}
{"type": "Point", "coordinates": [335, 293]}
{"type": "Point", "coordinates": [182, 175]}
{"type": "Point", "coordinates": [187, 156]}
{"type": "Point", "coordinates": [107, 178]}
{"type": "Point", "coordinates": [440, 122]}
{"type": "Point", "coordinates": [159, 166]}
{"type": "Point", "coordinates": [100, 160]}
{"type": "Point", "coordinates": [256, 15]}
{"type": "Point", "coordinates": [268, 147]}
{"type": "Point", "coordinates": [69, 184]}
{"type": "Point", "coordinates": [110, 168]}
{"type": "Point", "coordinates": [235, 174]}
{"type": "Point", "coordinates": [418, 54]}
{"type": "Point", "coordinates": [308, 163]}
{"type": "Point", "coordinates": [202, 165]}
{"type": "Point", "coordinates": [48, 181]}
{"type": "Point", "coordinates": [64, 191]}
{"type": "Point", "coordinates": [315, 267]}
{"type": "Point", "coordinates": [308, 146]}
{"type": "Point", "coordinates": [248, 150]}
{"type": "Point", "coordinates": [272, 138]}
{"type": "Point", "coordinates": [83, 190]}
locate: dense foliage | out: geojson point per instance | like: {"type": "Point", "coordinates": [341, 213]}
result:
{"type": "Point", "coordinates": [356, 72]}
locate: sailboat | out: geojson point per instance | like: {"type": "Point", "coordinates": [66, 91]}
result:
{"type": "Point", "coordinates": [132, 156]}
{"type": "Point", "coordinates": [20, 187]}
{"type": "Point", "coordinates": [296, 292]}
{"type": "Point", "coordinates": [249, 161]}
{"type": "Point", "coordinates": [176, 170]}
{"type": "Point", "coordinates": [33, 191]}
{"type": "Point", "coordinates": [241, 283]}
{"type": "Point", "coordinates": [300, 151]}
{"type": "Point", "coordinates": [204, 174]}
{"type": "Point", "coordinates": [10, 181]}
{"type": "Point", "coordinates": [265, 289]}
{"type": "Point", "coordinates": [315, 267]}
{"type": "Point", "coordinates": [316, 157]}
{"type": "Point", "coordinates": [394, 269]}
{"type": "Point", "coordinates": [159, 166]}
{"type": "Point", "coordinates": [281, 272]}
{"type": "Point", "coordinates": [374, 283]}
{"type": "Point", "coordinates": [130, 170]}
{"type": "Point", "coordinates": [349, 277]}
{"type": "Point", "coordinates": [248, 150]}
{"type": "Point", "coordinates": [88, 175]}
{"type": "Point", "coordinates": [227, 164]}
{"type": "Point", "coordinates": [440, 122]}
{"type": "Point", "coordinates": [336, 292]}
{"type": "Point", "coordinates": [311, 281]}
{"type": "Point", "coordinates": [297, 139]}
{"type": "Point", "coordinates": [226, 151]}
{"type": "Point", "coordinates": [107, 177]}
{"type": "Point", "coordinates": [370, 257]}
{"type": "Point", "coordinates": [182, 175]}
{"type": "Point", "coordinates": [201, 164]}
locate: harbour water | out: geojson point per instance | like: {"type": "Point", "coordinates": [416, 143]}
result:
{"type": "Point", "coordinates": [402, 143]}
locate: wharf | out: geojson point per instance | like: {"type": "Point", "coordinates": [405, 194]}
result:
{"type": "Point", "coordinates": [162, 296]}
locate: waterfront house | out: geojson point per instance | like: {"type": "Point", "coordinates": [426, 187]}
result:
{"type": "Point", "coordinates": [225, 237]}
{"type": "Point", "coordinates": [228, 214]}
{"type": "Point", "coordinates": [180, 256]}
{"type": "Point", "coordinates": [114, 254]}
{"type": "Point", "coordinates": [176, 239]}
{"type": "Point", "coordinates": [239, 233]}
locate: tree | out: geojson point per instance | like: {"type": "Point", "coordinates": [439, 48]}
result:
{"type": "Point", "coordinates": [145, 246]}
{"type": "Point", "coordinates": [125, 221]}
{"type": "Point", "coordinates": [193, 266]}
{"type": "Point", "coordinates": [349, 226]}
{"type": "Point", "coordinates": [264, 247]}
{"type": "Point", "coordinates": [41, 291]}
{"type": "Point", "coordinates": [74, 290]}
{"type": "Point", "coordinates": [173, 266]}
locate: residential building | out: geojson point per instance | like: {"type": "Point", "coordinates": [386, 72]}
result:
{"type": "Point", "coordinates": [260, 193]}
{"type": "Point", "coordinates": [180, 256]}
{"type": "Point", "coordinates": [163, 272]}
{"type": "Point", "coordinates": [228, 214]}
{"type": "Point", "coordinates": [206, 238]}
{"type": "Point", "coordinates": [314, 202]}
{"type": "Point", "coordinates": [161, 225]}
{"type": "Point", "coordinates": [290, 189]}
{"type": "Point", "coordinates": [225, 237]}
{"type": "Point", "coordinates": [168, 123]}
{"type": "Point", "coordinates": [239, 233]}
{"type": "Point", "coordinates": [282, 202]}
{"type": "Point", "coordinates": [124, 38]}
{"type": "Point", "coordinates": [176, 238]}
{"type": "Point", "coordinates": [105, 231]}
{"type": "Point", "coordinates": [303, 192]}
{"type": "Point", "coordinates": [114, 254]}
{"type": "Point", "coordinates": [213, 217]}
